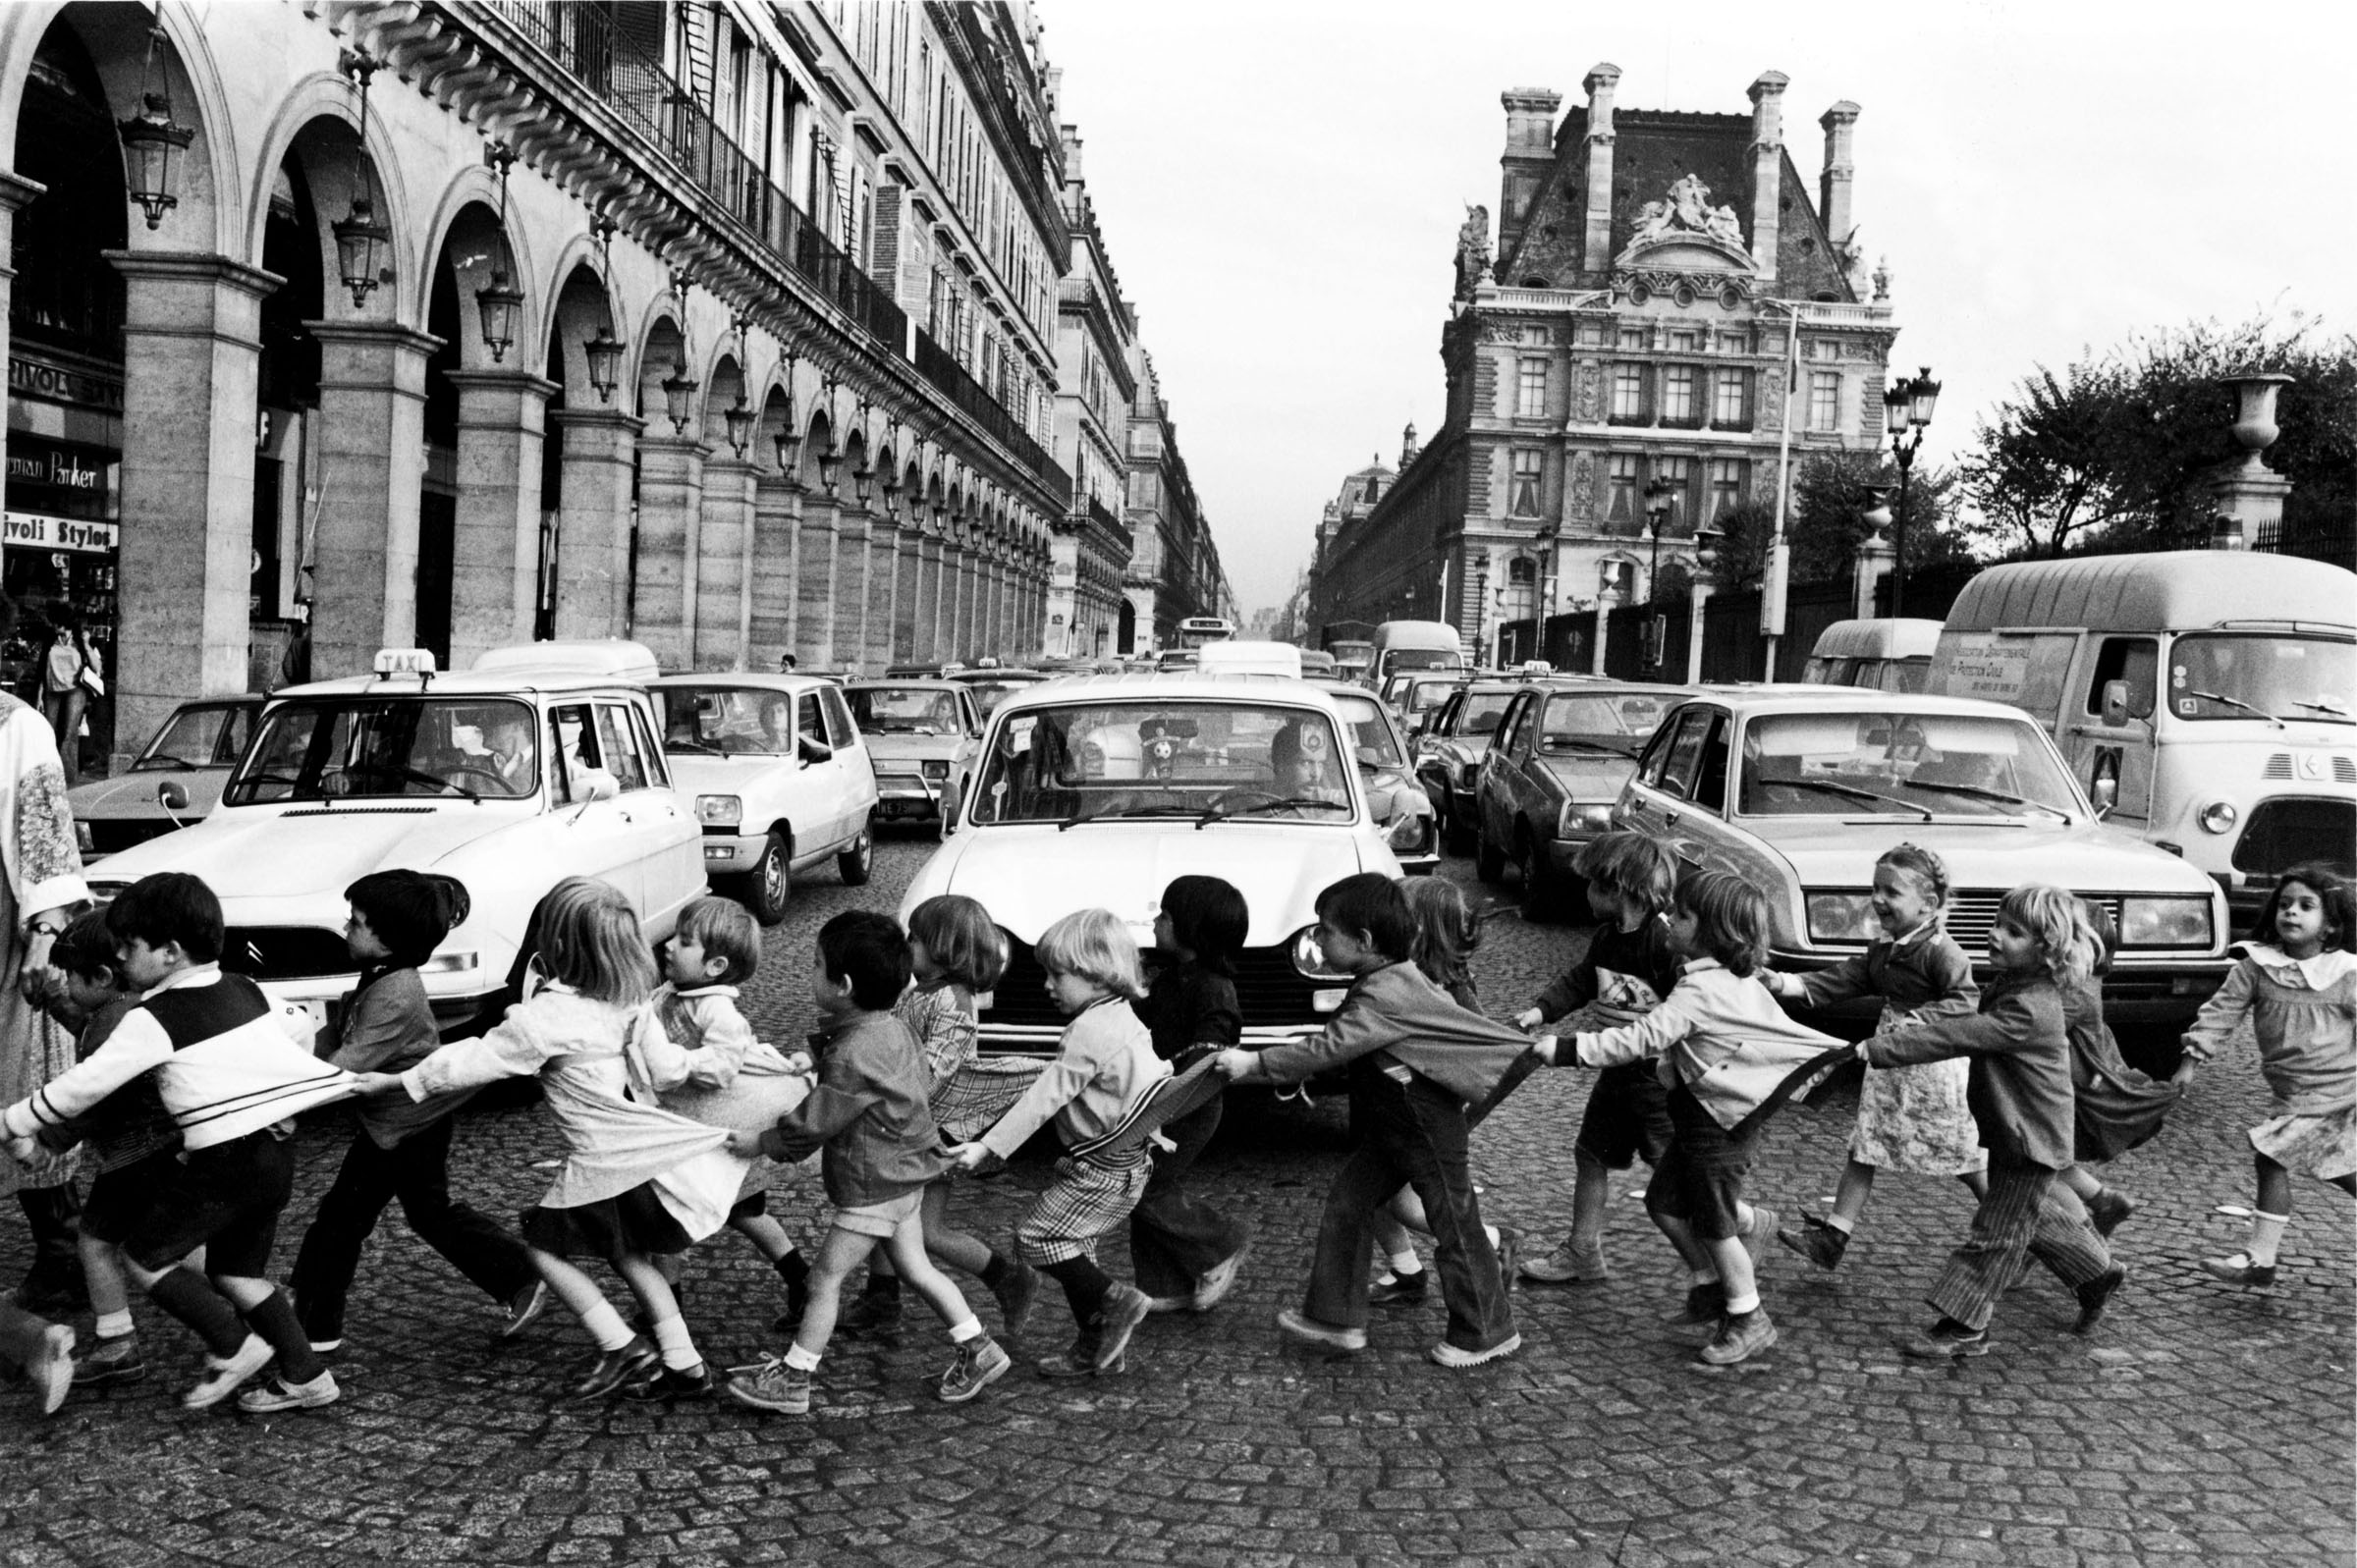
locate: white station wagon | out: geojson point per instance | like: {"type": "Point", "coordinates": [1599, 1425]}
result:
{"type": "Point", "coordinates": [538, 764]}
{"type": "Point", "coordinates": [1097, 791]}
{"type": "Point", "coordinates": [1798, 788]}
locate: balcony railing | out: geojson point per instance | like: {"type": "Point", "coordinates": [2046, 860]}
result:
{"type": "Point", "coordinates": [941, 368]}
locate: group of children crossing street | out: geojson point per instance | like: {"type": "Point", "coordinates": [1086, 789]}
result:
{"type": "Point", "coordinates": [673, 1116]}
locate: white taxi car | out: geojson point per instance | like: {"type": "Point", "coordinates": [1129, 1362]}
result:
{"type": "Point", "coordinates": [1798, 788]}
{"type": "Point", "coordinates": [781, 778]}
{"type": "Point", "coordinates": [538, 764]}
{"type": "Point", "coordinates": [1096, 791]}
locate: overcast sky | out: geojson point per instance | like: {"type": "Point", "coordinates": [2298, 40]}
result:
{"type": "Point", "coordinates": [1281, 184]}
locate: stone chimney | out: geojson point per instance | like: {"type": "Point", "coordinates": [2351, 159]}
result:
{"type": "Point", "coordinates": [1070, 135]}
{"type": "Point", "coordinates": [1528, 158]}
{"type": "Point", "coordinates": [1832, 187]}
{"type": "Point", "coordinates": [1766, 168]}
{"type": "Point", "coordinates": [1407, 446]}
{"type": "Point", "coordinates": [1596, 246]}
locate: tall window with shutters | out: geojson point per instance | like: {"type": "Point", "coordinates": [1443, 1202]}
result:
{"type": "Point", "coordinates": [1524, 493]}
{"type": "Point", "coordinates": [1825, 400]}
{"type": "Point", "coordinates": [1728, 475]}
{"type": "Point", "coordinates": [1530, 389]}
{"type": "Point", "coordinates": [1628, 394]}
{"type": "Point", "coordinates": [1732, 408]}
{"type": "Point", "coordinates": [1681, 404]}
{"type": "Point", "coordinates": [1621, 503]}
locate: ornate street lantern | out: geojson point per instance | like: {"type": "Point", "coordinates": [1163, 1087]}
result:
{"type": "Point", "coordinates": [829, 465]}
{"type": "Point", "coordinates": [151, 139]}
{"type": "Point", "coordinates": [501, 303]}
{"type": "Point", "coordinates": [739, 421]}
{"type": "Point", "coordinates": [678, 396]}
{"type": "Point", "coordinates": [362, 240]}
{"type": "Point", "coordinates": [604, 351]}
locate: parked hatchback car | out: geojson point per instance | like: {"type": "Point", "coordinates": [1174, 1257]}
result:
{"type": "Point", "coordinates": [1448, 750]}
{"type": "Point", "coordinates": [1550, 777]}
{"type": "Point", "coordinates": [193, 750]}
{"type": "Point", "coordinates": [1097, 790]}
{"type": "Point", "coordinates": [1798, 788]}
{"type": "Point", "coordinates": [922, 737]}
{"type": "Point", "coordinates": [780, 777]}
{"type": "Point", "coordinates": [540, 763]}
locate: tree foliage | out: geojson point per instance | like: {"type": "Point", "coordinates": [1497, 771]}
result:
{"type": "Point", "coordinates": [2119, 451]}
{"type": "Point", "coordinates": [1832, 493]}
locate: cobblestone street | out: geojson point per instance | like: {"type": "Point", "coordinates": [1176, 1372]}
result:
{"type": "Point", "coordinates": [2201, 1423]}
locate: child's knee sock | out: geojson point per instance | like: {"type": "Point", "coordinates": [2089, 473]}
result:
{"type": "Point", "coordinates": [191, 1298]}
{"type": "Point", "coordinates": [1406, 1264]}
{"type": "Point", "coordinates": [605, 1328]}
{"type": "Point", "coordinates": [679, 1350]}
{"type": "Point", "coordinates": [994, 1273]}
{"type": "Point", "coordinates": [2267, 1235]}
{"type": "Point", "coordinates": [880, 1283]}
{"type": "Point", "coordinates": [793, 1267]}
{"type": "Point", "coordinates": [1085, 1286]}
{"type": "Point", "coordinates": [273, 1318]}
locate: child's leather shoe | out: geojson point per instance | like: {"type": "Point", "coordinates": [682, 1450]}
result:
{"type": "Point", "coordinates": [2240, 1270]}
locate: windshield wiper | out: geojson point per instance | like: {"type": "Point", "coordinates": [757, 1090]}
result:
{"type": "Point", "coordinates": [1977, 793]}
{"type": "Point", "coordinates": [1852, 792]}
{"type": "Point", "coordinates": [2326, 705]}
{"type": "Point", "coordinates": [1115, 809]}
{"type": "Point", "coordinates": [2237, 702]}
{"type": "Point", "coordinates": [1274, 803]}
{"type": "Point", "coordinates": [684, 745]}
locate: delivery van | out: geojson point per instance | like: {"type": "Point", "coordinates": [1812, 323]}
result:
{"type": "Point", "coordinates": [1886, 654]}
{"type": "Point", "coordinates": [1415, 645]}
{"type": "Point", "coordinates": [2206, 700]}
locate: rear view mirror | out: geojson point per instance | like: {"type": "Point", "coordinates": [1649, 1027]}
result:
{"type": "Point", "coordinates": [172, 796]}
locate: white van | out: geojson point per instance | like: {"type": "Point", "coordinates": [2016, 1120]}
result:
{"type": "Point", "coordinates": [2206, 700]}
{"type": "Point", "coordinates": [1415, 645]}
{"type": "Point", "coordinates": [1888, 654]}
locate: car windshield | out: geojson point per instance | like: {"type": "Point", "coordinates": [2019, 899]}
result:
{"type": "Point", "coordinates": [1426, 695]}
{"type": "Point", "coordinates": [726, 720]}
{"type": "Point", "coordinates": [363, 746]}
{"type": "Point", "coordinates": [1136, 757]}
{"type": "Point", "coordinates": [1481, 710]}
{"type": "Point", "coordinates": [1612, 720]}
{"type": "Point", "coordinates": [1899, 763]}
{"type": "Point", "coordinates": [902, 710]}
{"type": "Point", "coordinates": [1368, 731]}
{"type": "Point", "coordinates": [2219, 676]}
{"type": "Point", "coordinates": [198, 738]}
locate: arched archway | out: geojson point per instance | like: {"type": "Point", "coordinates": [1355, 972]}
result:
{"type": "Point", "coordinates": [472, 251]}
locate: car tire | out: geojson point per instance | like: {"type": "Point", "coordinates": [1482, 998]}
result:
{"type": "Point", "coordinates": [1489, 864]}
{"type": "Point", "coordinates": [1538, 887]}
{"type": "Point", "coordinates": [768, 887]}
{"type": "Point", "coordinates": [856, 863]}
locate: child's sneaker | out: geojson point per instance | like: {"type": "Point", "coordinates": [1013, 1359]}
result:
{"type": "Point", "coordinates": [50, 1367]}
{"type": "Point", "coordinates": [771, 1386]}
{"type": "Point", "coordinates": [1705, 1303]}
{"type": "Point", "coordinates": [1821, 1244]}
{"type": "Point", "coordinates": [2095, 1296]}
{"type": "Point", "coordinates": [1568, 1264]}
{"type": "Point", "coordinates": [1016, 1293]}
{"type": "Point", "coordinates": [2240, 1270]}
{"type": "Point", "coordinates": [115, 1360]}
{"type": "Point", "coordinates": [1458, 1356]}
{"type": "Point", "coordinates": [1398, 1289]}
{"type": "Point", "coordinates": [1330, 1337]}
{"type": "Point", "coordinates": [528, 1304]}
{"type": "Point", "coordinates": [280, 1394]}
{"type": "Point", "coordinates": [1078, 1360]}
{"type": "Point", "coordinates": [223, 1375]}
{"type": "Point", "coordinates": [2107, 1211]}
{"type": "Point", "coordinates": [1126, 1307]}
{"type": "Point", "coordinates": [1740, 1336]}
{"type": "Point", "coordinates": [1218, 1280]}
{"type": "Point", "coordinates": [981, 1362]}
{"type": "Point", "coordinates": [615, 1368]}
{"type": "Point", "coordinates": [1946, 1340]}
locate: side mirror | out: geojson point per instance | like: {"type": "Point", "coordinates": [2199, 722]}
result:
{"type": "Point", "coordinates": [2103, 794]}
{"type": "Point", "coordinates": [950, 802]}
{"type": "Point", "coordinates": [2115, 703]}
{"type": "Point", "coordinates": [172, 798]}
{"type": "Point", "coordinates": [812, 749]}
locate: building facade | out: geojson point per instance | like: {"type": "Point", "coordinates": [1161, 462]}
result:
{"type": "Point", "coordinates": [726, 327]}
{"type": "Point", "coordinates": [1175, 571]}
{"type": "Point", "coordinates": [1096, 333]}
{"type": "Point", "coordinates": [1659, 279]}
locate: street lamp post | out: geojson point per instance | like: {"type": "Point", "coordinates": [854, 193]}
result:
{"type": "Point", "coordinates": [1659, 493]}
{"type": "Point", "coordinates": [1908, 407]}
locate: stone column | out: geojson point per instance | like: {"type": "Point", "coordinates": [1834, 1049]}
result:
{"type": "Point", "coordinates": [495, 554]}
{"type": "Point", "coordinates": [814, 581]}
{"type": "Point", "coordinates": [1766, 168]}
{"type": "Point", "coordinates": [883, 574]}
{"type": "Point", "coordinates": [598, 447]}
{"type": "Point", "coordinates": [724, 578]}
{"type": "Point", "coordinates": [1596, 246]}
{"type": "Point", "coordinates": [1605, 604]}
{"type": "Point", "coordinates": [1871, 562]}
{"type": "Point", "coordinates": [777, 512]}
{"type": "Point", "coordinates": [850, 587]}
{"type": "Point", "coordinates": [671, 504]}
{"type": "Point", "coordinates": [372, 461]}
{"type": "Point", "coordinates": [1698, 599]}
{"type": "Point", "coordinates": [192, 362]}
{"type": "Point", "coordinates": [908, 595]}
{"type": "Point", "coordinates": [928, 599]}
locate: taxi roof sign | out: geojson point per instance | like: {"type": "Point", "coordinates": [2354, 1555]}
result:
{"type": "Point", "coordinates": [405, 662]}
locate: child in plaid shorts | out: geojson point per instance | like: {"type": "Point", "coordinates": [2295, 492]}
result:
{"type": "Point", "coordinates": [1104, 1065]}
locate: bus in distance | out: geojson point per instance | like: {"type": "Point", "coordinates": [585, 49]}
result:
{"type": "Point", "coordinates": [1196, 631]}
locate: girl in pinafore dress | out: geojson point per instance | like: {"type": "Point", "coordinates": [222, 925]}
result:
{"type": "Point", "coordinates": [2297, 982]}
{"type": "Point", "coordinates": [1911, 1119]}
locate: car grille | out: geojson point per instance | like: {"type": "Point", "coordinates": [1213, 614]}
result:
{"type": "Point", "coordinates": [1270, 992]}
{"type": "Point", "coordinates": [2278, 766]}
{"type": "Point", "coordinates": [111, 834]}
{"type": "Point", "coordinates": [1972, 915]}
{"type": "Point", "coordinates": [285, 953]}
{"type": "Point", "coordinates": [2282, 832]}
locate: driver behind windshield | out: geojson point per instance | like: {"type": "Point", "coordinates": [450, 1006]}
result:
{"type": "Point", "coordinates": [1303, 764]}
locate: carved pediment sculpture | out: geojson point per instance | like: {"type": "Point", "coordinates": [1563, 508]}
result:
{"type": "Point", "coordinates": [1686, 218]}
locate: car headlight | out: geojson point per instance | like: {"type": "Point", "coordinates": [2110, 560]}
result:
{"type": "Point", "coordinates": [936, 770]}
{"type": "Point", "coordinates": [451, 964]}
{"type": "Point", "coordinates": [1412, 833]}
{"type": "Point", "coordinates": [2164, 922]}
{"type": "Point", "coordinates": [1309, 961]}
{"type": "Point", "coordinates": [1576, 818]}
{"type": "Point", "coordinates": [2219, 815]}
{"type": "Point", "coordinates": [1843, 917]}
{"type": "Point", "coordinates": [719, 811]}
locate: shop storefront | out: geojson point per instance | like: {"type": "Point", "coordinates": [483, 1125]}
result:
{"type": "Point", "coordinates": [57, 536]}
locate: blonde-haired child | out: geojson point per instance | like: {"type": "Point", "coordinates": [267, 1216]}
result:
{"type": "Point", "coordinates": [637, 1181]}
{"type": "Point", "coordinates": [1910, 1120]}
{"type": "Point", "coordinates": [956, 954]}
{"type": "Point", "coordinates": [2019, 1087]}
{"type": "Point", "coordinates": [1104, 1065]}
{"type": "Point", "coordinates": [734, 1079]}
{"type": "Point", "coordinates": [2296, 981]}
